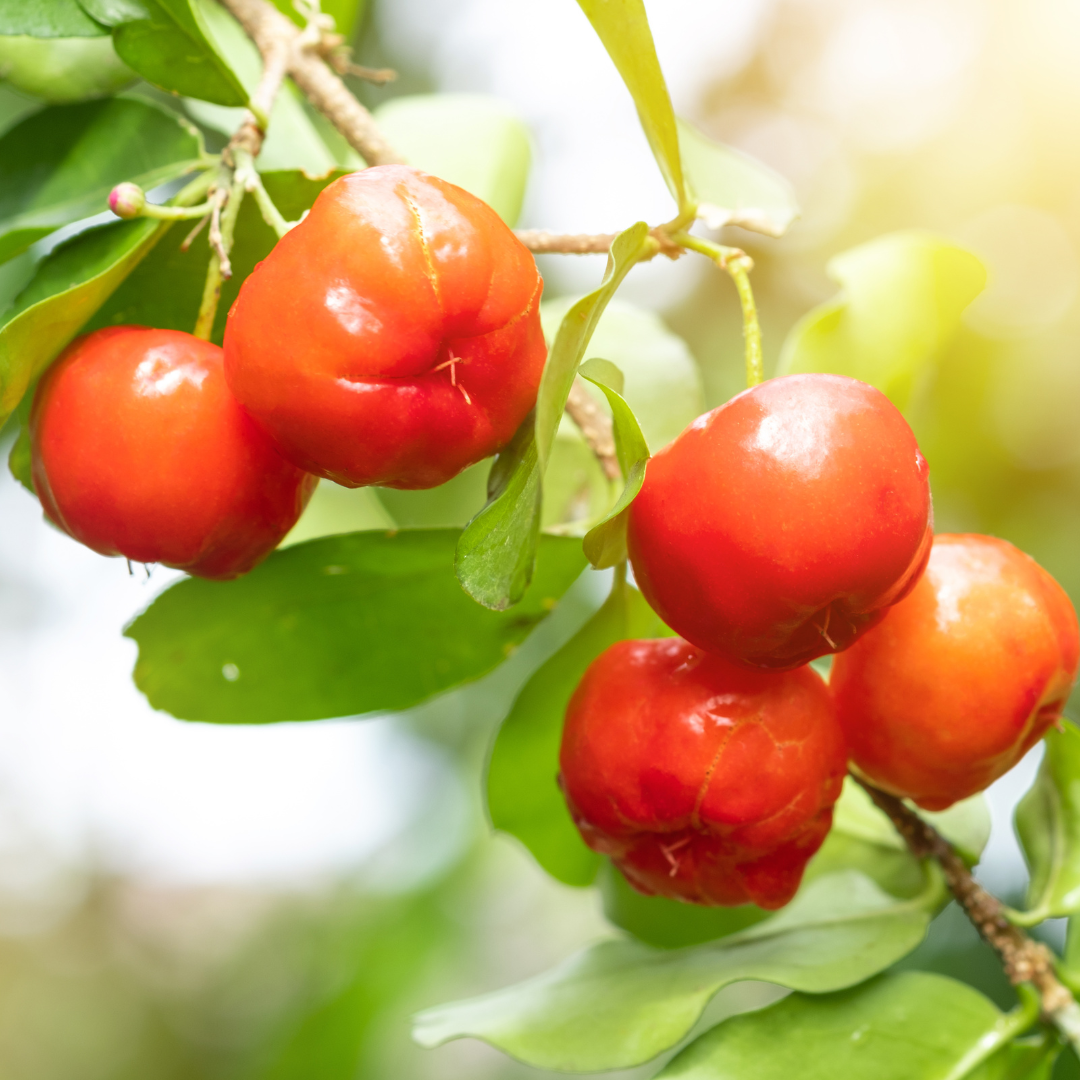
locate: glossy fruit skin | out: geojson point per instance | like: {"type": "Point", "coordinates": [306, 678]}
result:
{"type": "Point", "coordinates": [139, 449]}
{"type": "Point", "coordinates": [702, 780]}
{"type": "Point", "coordinates": [780, 526]}
{"type": "Point", "coordinates": [393, 337]}
{"type": "Point", "coordinates": [962, 677]}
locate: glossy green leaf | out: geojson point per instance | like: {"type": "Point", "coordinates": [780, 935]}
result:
{"type": "Point", "coordinates": [1048, 825]}
{"type": "Point", "coordinates": [67, 288]}
{"type": "Point", "coordinates": [605, 542]}
{"type": "Point", "coordinates": [60, 164]}
{"type": "Point", "coordinates": [19, 457]}
{"type": "Point", "coordinates": [497, 549]}
{"type": "Point", "coordinates": [178, 45]}
{"type": "Point", "coordinates": [472, 140]}
{"type": "Point", "coordinates": [623, 27]}
{"type": "Point", "coordinates": [662, 383]}
{"type": "Point", "coordinates": [862, 838]}
{"type": "Point", "coordinates": [897, 1027]}
{"type": "Point", "coordinates": [344, 625]}
{"type": "Point", "coordinates": [523, 796]}
{"type": "Point", "coordinates": [47, 19]}
{"type": "Point", "coordinates": [620, 1003]}
{"type": "Point", "coordinates": [62, 71]}
{"type": "Point", "coordinates": [902, 301]}
{"type": "Point", "coordinates": [732, 188]}
{"type": "Point", "coordinates": [167, 290]}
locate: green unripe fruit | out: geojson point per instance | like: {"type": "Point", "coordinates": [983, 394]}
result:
{"type": "Point", "coordinates": [61, 71]}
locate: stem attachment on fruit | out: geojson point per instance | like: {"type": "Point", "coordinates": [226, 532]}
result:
{"type": "Point", "coordinates": [1025, 961]}
{"type": "Point", "coordinates": [738, 266]}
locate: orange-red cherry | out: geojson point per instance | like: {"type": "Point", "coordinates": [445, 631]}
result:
{"type": "Point", "coordinates": [781, 526]}
{"type": "Point", "coordinates": [704, 781]}
{"type": "Point", "coordinates": [393, 337]}
{"type": "Point", "coordinates": [962, 677]}
{"type": "Point", "coordinates": [139, 449]}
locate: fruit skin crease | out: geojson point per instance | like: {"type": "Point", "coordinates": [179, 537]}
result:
{"type": "Point", "coordinates": [963, 676]}
{"type": "Point", "coordinates": [138, 449]}
{"type": "Point", "coordinates": [702, 780]}
{"type": "Point", "coordinates": [393, 337]}
{"type": "Point", "coordinates": [780, 526]}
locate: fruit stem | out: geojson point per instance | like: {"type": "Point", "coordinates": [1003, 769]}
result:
{"type": "Point", "coordinates": [222, 230]}
{"type": "Point", "coordinates": [1025, 961]}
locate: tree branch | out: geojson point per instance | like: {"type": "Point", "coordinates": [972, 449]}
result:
{"type": "Point", "coordinates": [545, 242]}
{"type": "Point", "coordinates": [595, 427]}
{"type": "Point", "coordinates": [1024, 960]}
{"type": "Point", "coordinates": [271, 31]}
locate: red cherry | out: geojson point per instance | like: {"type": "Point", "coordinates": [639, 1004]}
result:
{"type": "Point", "coordinates": [962, 677]}
{"type": "Point", "coordinates": [393, 337]}
{"type": "Point", "coordinates": [780, 526]}
{"type": "Point", "coordinates": [139, 449]}
{"type": "Point", "coordinates": [703, 781]}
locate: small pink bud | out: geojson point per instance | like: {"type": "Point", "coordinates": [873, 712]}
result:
{"type": "Point", "coordinates": [127, 200]}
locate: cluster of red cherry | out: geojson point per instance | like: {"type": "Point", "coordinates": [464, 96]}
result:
{"type": "Point", "coordinates": [393, 337]}
{"type": "Point", "coordinates": [792, 522]}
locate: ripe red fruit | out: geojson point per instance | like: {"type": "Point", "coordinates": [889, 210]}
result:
{"type": "Point", "coordinates": [139, 449]}
{"type": "Point", "coordinates": [393, 337]}
{"type": "Point", "coordinates": [780, 526]}
{"type": "Point", "coordinates": [702, 780]}
{"type": "Point", "coordinates": [962, 677]}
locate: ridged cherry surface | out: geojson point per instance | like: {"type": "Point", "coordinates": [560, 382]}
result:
{"type": "Point", "coordinates": [963, 676]}
{"type": "Point", "coordinates": [702, 780]}
{"type": "Point", "coordinates": [393, 337]}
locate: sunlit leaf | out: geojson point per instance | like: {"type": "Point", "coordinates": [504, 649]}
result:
{"type": "Point", "coordinates": [474, 141]}
{"type": "Point", "coordinates": [623, 27]}
{"type": "Point", "coordinates": [62, 71]}
{"type": "Point", "coordinates": [167, 290]}
{"type": "Point", "coordinates": [605, 543]}
{"type": "Point", "coordinates": [59, 165]}
{"type": "Point", "coordinates": [523, 796]}
{"type": "Point", "coordinates": [902, 300]}
{"type": "Point", "coordinates": [1048, 824]}
{"type": "Point", "coordinates": [620, 1003]}
{"type": "Point", "coordinates": [662, 382]}
{"type": "Point", "coordinates": [732, 188]}
{"type": "Point", "coordinates": [67, 288]}
{"type": "Point", "coordinates": [47, 19]}
{"type": "Point", "coordinates": [333, 627]}
{"type": "Point", "coordinates": [347, 14]}
{"type": "Point", "coordinates": [175, 44]}
{"type": "Point", "coordinates": [497, 548]}
{"type": "Point", "coordinates": [897, 1027]}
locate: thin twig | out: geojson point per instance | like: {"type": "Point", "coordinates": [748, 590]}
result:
{"type": "Point", "coordinates": [595, 428]}
{"type": "Point", "coordinates": [546, 242]}
{"type": "Point", "coordinates": [1024, 960]}
{"type": "Point", "coordinates": [264, 24]}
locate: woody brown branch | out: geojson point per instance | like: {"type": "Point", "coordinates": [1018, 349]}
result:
{"type": "Point", "coordinates": [272, 31]}
{"type": "Point", "coordinates": [1024, 960]}
{"type": "Point", "coordinates": [545, 242]}
{"type": "Point", "coordinates": [595, 428]}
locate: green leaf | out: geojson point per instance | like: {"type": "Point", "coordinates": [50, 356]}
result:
{"type": "Point", "coordinates": [605, 543]}
{"type": "Point", "coordinates": [662, 382]}
{"type": "Point", "coordinates": [333, 627]}
{"type": "Point", "coordinates": [862, 838]}
{"type": "Point", "coordinates": [497, 549]}
{"type": "Point", "coordinates": [347, 14]}
{"type": "Point", "coordinates": [178, 45]}
{"type": "Point", "coordinates": [472, 140]}
{"type": "Point", "coordinates": [19, 458]}
{"type": "Point", "coordinates": [62, 71]}
{"type": "Point", "coordinates": [47, 19]}
{"type": "Point", "coordinates": [167, 290]}
{"type": "Point", "coordinates": [60, 164]}
{"type": "Point", "coordinates": [897, 1027]}
{"type": "Point", "coordinates": [623, 27]}
{"type": "Point", "coordinates": [901, 305]}
{"type": "Point", "coordinates": [523, 796]}
{"type": "Point", "coordinates": [733, 188]}
{"type": "Point", "coordinates": [1048, 825]}
{"type": "Point", "coordinates": [70, 284]}
{"type": "Point", "coordinates": [620, 1003]}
